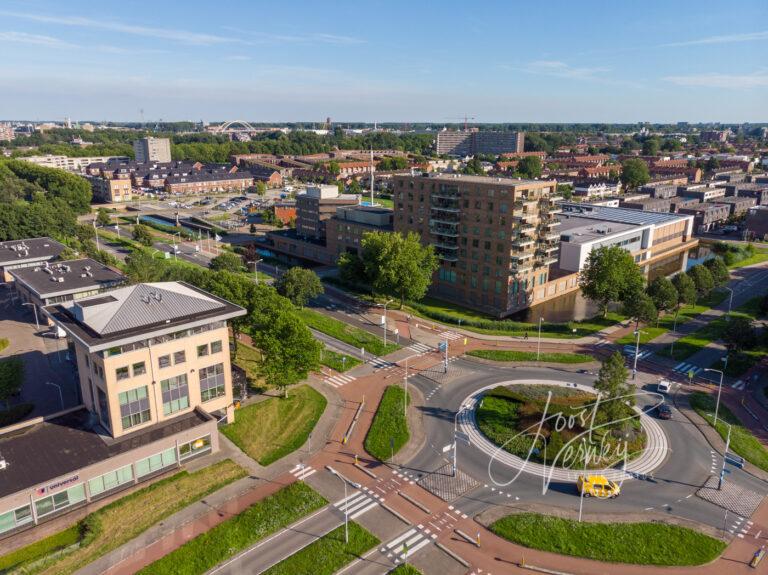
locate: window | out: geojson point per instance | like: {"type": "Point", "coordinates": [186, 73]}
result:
{"type": "Point", "coordinates": [202, 350]}
{"type": "Point", "coordinates": [110, 480]}
{"type": "Point", "coordinates": [134, 407]}
{"type": "Point", "coordinates": [60, 500]}
{"type": "Point", "coordinates": [179, 357]}
{"type": "Point", "coordinates": [122, 373]}
{"type": "Point", "coordinates": [175, 394]}
{"type": "Point", "coordinates": [164, 361]}
{"type": "Point", "coordinates": [156, 462]}
{"type": "Point", "coordinates": [139, 369]}
{"type": "Point", "coordinates": [212, 382]}
{"type": "Point", "coordinates": [15, 518]}
{"type": "Point", "coordinates": [103, 407]}
{"type": "Point", "coordinates": [198, 446]}
{"type": "Point", "coordinates": [216, 346]}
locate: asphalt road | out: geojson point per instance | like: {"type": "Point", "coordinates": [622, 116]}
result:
{"type": "Point", "coordinates": [671, 489]}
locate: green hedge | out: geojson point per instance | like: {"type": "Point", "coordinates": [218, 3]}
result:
{"type": "Point", "coordinates": [41, 549]}
{"type": "Point", "coordinates": [389, 423]}
{"type": "Point", "coordinates": [509, 355]}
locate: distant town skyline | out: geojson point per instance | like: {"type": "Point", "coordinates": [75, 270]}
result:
{"type": "Point", "coordinates": [389, 62]}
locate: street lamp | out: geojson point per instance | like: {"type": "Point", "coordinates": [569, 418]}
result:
{"type": "Point", "coordinates": [719, 388]}
{"type": "Point", "coordinates": [174, 242]}
{"type": "Point", "coordinates": [96, 233]}
{"type": "Point", "coordinates": [730, 299]}
{"type": "Point", "coordinates": [538, 345]}
{"type": "Point", "coordinates": [725, 455]}
{"type": "Point", "coordinates": [389, 301]}
{"type": "Point", "coordinates": [637, 352]}
{"type": "Point", "coordinates": [405, 384]}
{"type": "Point", "coordinates": [34, 308]}
{"type": "Point", "coordinates": [346, 504]}
{"type": "Point", "coordinates": [456, 443]}
{"type": "Point", "coordinates": [255, 272]}
{"type": "Point", "coordinates": [57, 386]}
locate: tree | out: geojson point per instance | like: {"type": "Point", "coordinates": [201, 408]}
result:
{"type": "Point", "coordinates": [614, 392]}
{"type": "Point", "coordinates": [651, 146]}
{"type": "Point", "coordinates": [610, 274]}
{"type": "Point", "coordinates": [227, 261]}
{"type": "Point", "coordinates": [474, 167]}
{"type": "Point", "coordinates": [634, 173]}
{"type": "Point", "coordinates": [529, 167]}
{"type": "Point", "coordinates": [640, 307]}
{"type": "Point", "coordinates": [102, 217]}
{"type": "Point", "coordinates": [739, 334]}
{"type": "Point", "coordinates": [352, 269]}
{"type": "Point", "coordinates": [299, 285]}
{"type": "Point", "coordinates": [663, 294]}
{"type": "Point", "coordinates": [398, 265]}
{"type": "Point", "coordinates": [719, 271]}
{"type": "Point", "coordinates": [142, 235]}
{"type": "Point", "coordinates": [261, 188]}
{"type": "Point", "coordinates": [11, 378]}
{"type": "Point", "coordinates": [712, 164]}
{"type": "Point", "coordinates": [333, 167]}
{"type": "Point", "coordinates": [686, 289]}
{"type": "Point", "coordinates": [354, 187]}
{"type": "Point", "coordinates": [702, 279]}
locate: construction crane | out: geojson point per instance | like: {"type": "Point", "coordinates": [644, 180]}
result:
{"type": "Point", "coordinates": [466, 119]}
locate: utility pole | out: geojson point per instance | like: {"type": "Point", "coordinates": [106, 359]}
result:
{"type": "Point", "coordinates": [725, 455]}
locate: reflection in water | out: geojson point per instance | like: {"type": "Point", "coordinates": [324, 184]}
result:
{"type": "Point", "coordinates": [699, 255]}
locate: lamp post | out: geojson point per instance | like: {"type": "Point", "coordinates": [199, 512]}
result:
{"type": "Point", "coordinates": [255, 272]}
{"type": "Point", "coordinates": [538, 345]}
{"type": "Point", "coordinates": [389, 301]}
{"type": "Point", "coordinates": [725, 455]}
{"type": "Point", "coordinates": [730, 299]}
{"type": "Point", "coordinates": [57, 386]}
{"type": "Point", "coordinates": [456, 443]}
{"type": "Point", "coordinates": [637, 352]}
{"type": "Point", "coordinates": [719, 389]}
{"type": "Point", "coordinates": [34, 309]}
{"type": "Point", "coordinates": [346, 504]}
{"type": "Point", "coordinates": [405, 384]}
{"type": "Point", "coordinates": [96, 233]}
{"type": "Point", "coordinates": [174, 241]}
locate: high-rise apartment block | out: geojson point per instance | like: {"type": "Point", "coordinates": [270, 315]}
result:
{"type": "Point", "coordinates": [471, 142]}
{"type": "Point", "coordinates": [496, 237]}
{"type": "Point", "coordinates": [152, 150]}
{"type": "Point", "coordinates": [6, 132]}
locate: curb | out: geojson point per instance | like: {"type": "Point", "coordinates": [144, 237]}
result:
{"type": "Point", "coordinates": [452, 554]}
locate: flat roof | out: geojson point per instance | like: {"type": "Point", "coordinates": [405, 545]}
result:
{"type": "Point", "coordinates": [30, 250]}
{"type": "Point", "coordinates": [585, 230]}
{"type": "Point", "coordinates": [490, 180]}
{"type": "Point", "coordinates": [65, 444]}
{"type": "Point", "coordinates": [67, 277]}
{"type": "Point", "coordinates": [619, 215]}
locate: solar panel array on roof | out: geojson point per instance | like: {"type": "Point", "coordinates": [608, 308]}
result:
{"type": "Point", "coordinates": [620, 215]}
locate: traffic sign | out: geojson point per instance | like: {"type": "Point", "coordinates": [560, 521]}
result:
{"type": "Point", "coordinates": [442, 346]}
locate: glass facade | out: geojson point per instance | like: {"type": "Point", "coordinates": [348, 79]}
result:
{"type": "Point", "coordinates": [110, 480]}
{"type": "Point", "coordinates": [60, 500]}
{"type": "Point", "coordinates": [15, 518]}
{"type": "Point", "coordinates": [156, 462]}
{"type": "Point", "coordinates": [134, 407]}
{"type": "Point", "coordinates": [175, 394]}
{"type": "Point", "coordinates": [196, 447]}
{"type": "Point", "coordinates": [212, 382]}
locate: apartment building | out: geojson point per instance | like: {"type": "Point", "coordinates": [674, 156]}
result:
{"type": "Point", "coordinates": [471, 142]}
{"type": "Point", "coordinates": [757, 222]}
{"type": "Point", "coordinates": [707, 215]}
{"type": "Point", "coordinates": [738, 205]}
{"type": "Point", "coordinates": [6, 132]}
{"type": "Point", "coordinates": [703, 193]}
{"type": "Point", "coordinates": [749, 190]}
{"type": "Point", "coordinates": [154, 372]}
{"type": "Point", "coordinates": [596, 189]}
{"type": "Point", "coordinates": [18, 254]}
{"type": "Point", "coordinates": [496, 237]}
{"type": "Point", "coordinates": [71, 164]}
{"type": "Point", "coordinates": [664, 191]}
{"type": "Point", "coordinates": [152, 150]}
{"type": "Point", "coordinates": [345, 230]}
{"type": "Point", "coordinates": [317, 205]}
{"type": "Point", "coordinates": [115, 190]}
{"type": "Point", "coordinates": [209, 181]}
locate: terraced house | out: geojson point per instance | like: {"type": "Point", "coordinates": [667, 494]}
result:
{"type": "Point", "coordinates": [155, 377]}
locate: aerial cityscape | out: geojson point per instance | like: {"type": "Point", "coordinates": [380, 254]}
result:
{"type": "Point", "coordinates": [407, 288]}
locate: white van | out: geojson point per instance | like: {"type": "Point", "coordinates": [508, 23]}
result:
{"type": "Point", "coordinates": [664, 386]}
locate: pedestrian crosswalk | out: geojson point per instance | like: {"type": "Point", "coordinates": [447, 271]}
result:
{"type": "Point", "coordinates": [450, 335]}
{"type": "Point", "coordinates": [379, 363]}
{"type": "Point", "coordinates": [358, 503]}
{"type": "Point", "coordinates": [301, 471]}
{"type": "Point", "coordinates": [339, 380]}
{"type": "Point", "coordinates": [405, 545]}
{"type": "Point", "coordinates": [739, 385]}
{"type": "Point", "coordinates": [685, 368]}
{"type": "Point", "coordinates": [419, 347]}
{"type": "Point", "coordinates": [629, 350]}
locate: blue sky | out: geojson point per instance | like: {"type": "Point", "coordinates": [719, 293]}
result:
{"type": "Point", "coordinates": [556, 61]}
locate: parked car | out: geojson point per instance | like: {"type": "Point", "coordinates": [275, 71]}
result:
{"type": "Point", "coordinates": [597, 486]}
{"type": "Point", "coordinates": [663, 411]}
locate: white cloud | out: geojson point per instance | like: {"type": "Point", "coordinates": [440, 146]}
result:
{"type": "Point", "coordinates": [238, 58]}
{"type": "Point", "coordinates": [37, 39]}
{"type": "Point", "coordinates": [563, 70]}
{"type": "Point", "coordinates": [724, 39]}
{"type": "Point", "coordinates": [715, 80]}
{"type": "Point", "coordinates": [297, 38]}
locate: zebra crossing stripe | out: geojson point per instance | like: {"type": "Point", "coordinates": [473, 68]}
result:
{"type": "Point", "coordinates": [302, 472]}
{"type": "Point", "coordinates": [398, 539]}
{"type": "Point", "coordinates": [739, 385]}
{"type": "Point", "coordinates": [419, 347]}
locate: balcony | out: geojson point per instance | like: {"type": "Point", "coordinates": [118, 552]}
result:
{"type": "Point", "coordinates": [444, 229]}
{"type": "Point", "coordinates": [548, 260]}
{"type": "Point", "coordinates": [558, 197]}
{"type": "Point", "coordinates": [445, 245]}
{"type": "Point", "coordinates": [446, 253]}
{"type": "Point", "coordinates": [524, 217]}
{"type": "Point", "coordinates": [444, 220]}
{"type": "Point", "coordinates": [551, 237]}
{"type": "Point", "coordinates": [521, 267]}
{"type": "Point", "coordinates": [546, 250]}
{"type": "Point", "coordinates": [522, 242]}
{"type": "Point", "coordinates": [522, 256]}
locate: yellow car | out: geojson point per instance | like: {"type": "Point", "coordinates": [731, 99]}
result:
{"type": "Point", "coordinates": [597, 486]}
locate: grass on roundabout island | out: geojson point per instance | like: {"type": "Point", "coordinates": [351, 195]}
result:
{"type": "Point", "coordinates": [742, 441]}
{"type": "Point", "coordinates": [273, 428]}
{"type": "Point", "coordinates": [510, 416]}
{"type": "Point", "coordinates": [634, 543]}
{"type": "Point", "coordinates": [328, 554]}
{"type": "Point", "coordinates": [510, 355]}
{"type": "Point", "coordinates": [389, 431]}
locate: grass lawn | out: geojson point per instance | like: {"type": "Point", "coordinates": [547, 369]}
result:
{"type": "Point", "coordinates": [328, 554]}
{"type": "Point", "coordinates": [275, 427]}
{"type": "Point", "coordinates": [4, 343]}
{"type": "Point", "coordinates": [346, 333]}
{"type": "Point", "coordinates": [40, 549]}
{"type": "Point", "coordinates": [635, 543]}
{"type": "Point", "coordinates": [694, 342]}
{"type": "Point", "coordinates": [119, 522]}
{"type": "Point", "coordinates": [742, 441]}
{"type": "Point", "coordinates": [386, 202]}
{"type": "Point", "coordinates": [761, 255]}
{"type": "Point", "coordinates": [389, 423]}
{"type": "Point", "coordinates": [229, 538]}
{"type": "Point", "coordinates": [249, 359]}
{"type": "Point", "coordinates": [508, 355]}
{"type": "Point", "coordinates": [335, 360]}
{"type": "Point", "coordinates": [405, 570]}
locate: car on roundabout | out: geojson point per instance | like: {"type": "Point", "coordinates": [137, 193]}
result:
{"type": "Point", "coordinates": [663, 411]}
{"type": "Point", "coordinates": [597, 486]}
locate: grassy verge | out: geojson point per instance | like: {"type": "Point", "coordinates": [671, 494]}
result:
{"type": "Point", "coordinates": [15, 413]}
{"type": "Point", "coordinates": [509, 355]}
{"type": "Point", "coordinates": [240, 532]}
{"type": "Point", "coordinates": [249, 360]}
{"type": "Point", "coordinates": [335, 360]}
{"type": "Point", "coordinates": [346, 333]}
{"type": "Point", "coordinates": [328, 554]}
{"type": "Point", "coordinates": [273, 428]}
{"type": "Point", "coordinates": [40, 549]}
{"type": "Point", "coordinates": [635, 543]}
{"type": "Point", "coordinates": [389, 424]}
{"type": "Point", "coordinates": [742, 441]}
{"type": "Point", "coordinates": [405, 570]}
{"type": "Point", "coordinates": [119, 522]}
{"type": "Point", "coordinates": [4, 343]}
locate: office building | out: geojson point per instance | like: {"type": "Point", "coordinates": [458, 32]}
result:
{"type": "Point", "coordinates": [496, 237]}
{"type": "Point", "coordinates": [6, 132]}
{"type": "Point", "coordinates": [471, 142]}
{"type": "Point", "coordinates": [17, 254]}
{"type": "Point", "coordinates": [317, 205]}
{"type": "Point", "coordinates": [152, 150]}
{"type": "Point", "coordinates": [154, 373]}
{"type": "Point", "coordinates": [345, 230]}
